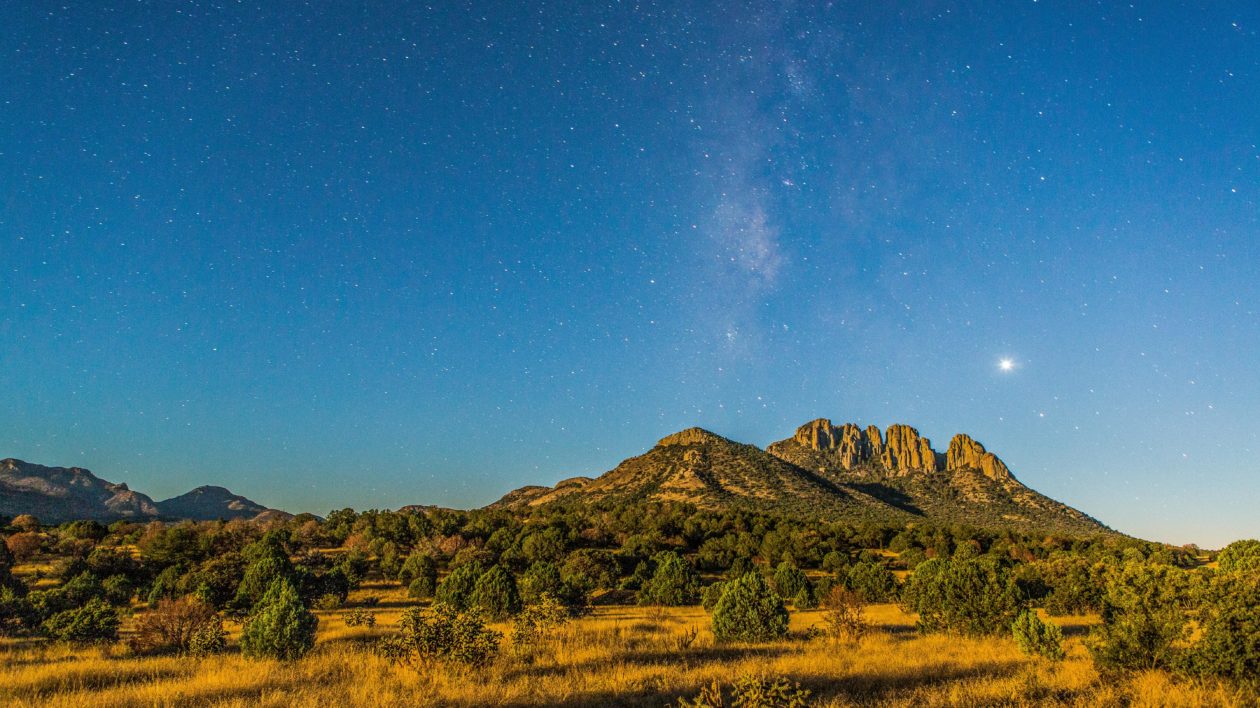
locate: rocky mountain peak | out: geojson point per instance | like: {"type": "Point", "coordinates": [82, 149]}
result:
{"type": "Point", "coordinates": [965, 453]}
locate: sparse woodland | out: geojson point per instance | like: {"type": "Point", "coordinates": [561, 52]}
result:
{"type": "Point", "coordinates": [642, 604]}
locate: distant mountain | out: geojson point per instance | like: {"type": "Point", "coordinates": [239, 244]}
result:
{"type": "Point", "coordinates": [210, 503]}
{"type": "Point", "coordinates": [58, 494]}
{"type": "Point", "coordinates": [841, 473]}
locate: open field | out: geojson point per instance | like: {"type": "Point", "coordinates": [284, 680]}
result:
{"type": "Point", "coordinates": [615, 656]}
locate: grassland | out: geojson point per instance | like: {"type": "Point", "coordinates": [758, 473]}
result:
{"type": "Point", "coordinates": [615, 656]}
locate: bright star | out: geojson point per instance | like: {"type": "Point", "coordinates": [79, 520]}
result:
{"type": "Point", "coordinates": [1006, 364]}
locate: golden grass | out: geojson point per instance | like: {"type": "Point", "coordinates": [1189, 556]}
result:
{"type": "Point", "coordinates": [617, 656]}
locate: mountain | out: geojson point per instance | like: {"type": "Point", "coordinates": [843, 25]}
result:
{"type": "Point", "coordinates": [841, 473]}
{"type": "Point", "coordinates": [208, 503]}
{"type": "Point", "coordinates": [55, 495]}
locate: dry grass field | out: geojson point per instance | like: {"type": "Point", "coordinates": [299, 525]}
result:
{"type": "Point", "coordinates": [615, 656]}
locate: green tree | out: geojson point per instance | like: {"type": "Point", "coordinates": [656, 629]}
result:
{"type": "Point", "coordinates": [1240, 556]}
{"type": "Point", "coordinates": [94, 621]}
{"type": "Point", "coordinates": [495, 593]}
{"type": "Point", "coordinates": [789, 580]}
{"type": "Point", "coordinates": [421, 576]}
{"type": "Point", "coordinates": [1142, 618]}
{"type": "Point", "coordinates": [261, 574]}
{"type": "Point", "coordinates": [540, 579]}
{"type": "Point", "coordinates": [975, 597]}
{"type": "Point", "coordinates": [673, 583]}
{"type": "Point", "coordinates": [280, 627]}
{"type": "Point", "coordinates": [1230, 641]}
{"type": "Point", "coordinates": [1036, 637]}
{"type": "Point", "coordinates": [456, 589]}
{"type": "Point", "coordinates": [749, 611]}
{"type": "Point", "coordinates": [872, 581]}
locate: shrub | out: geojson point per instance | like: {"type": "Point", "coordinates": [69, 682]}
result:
{"type": "Point", "coordinates": [456, 589]}
{"type": "Point", "coordinates": [1038, 638]}
{"type": "Point", "coordinates": [1142, 620]}
{"type": "Point", "coordinates": [872, 581]}
{"type": "Point", "coordinates": [674, 582]}
{"type": "Point", "coordinates": [587, 570]}
{"type": "Point", "coordinates": [789, 580]}
{"type": "Point", "coordinates": [117, 589]}
{"type": "Point", "coordinates": [975, 597]}
{"type": "Point", "coordinates": [419, 573]}
{"type": "Point", "coordinates": [445, 635]}
{"type": "Point", "coordinates": [1240, 556]}
{"type": "Point", "coordinates": [751, 692]}
{"type": "Point", "coordinates": [843, 615]}
{"type": "Point", "coordinates": [804, 599]}
{"type": "Point", "coordinates": [749, 610]}
{"type": "Point", "coordinates": [495, 593]}
{"type": "Point", "coordinates": [260, 576]}
{"type": "Point", "coordinates": [540, 579]}
{"type": "Point", "coordinates": [711, 594]}
{"type": "Point", "coordinates": [280, 627]}
{"type": "Point", "coordinates": [93, 622]}
{"type": "Point", "coordinates": [15, 610]}
{"type": "Point", "coordinates": [537, 621]}
{"type": "Point", "coordinates": [360, 617]}
{"type": "Point", "coordinates": [170, 627]}
{"type": "Point", "coordinates": [1230, 642]}
{"type": "Point", "coordinates": [207, 640]}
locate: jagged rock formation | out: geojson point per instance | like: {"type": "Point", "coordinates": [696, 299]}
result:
{"type": "Point", "coordinates": [965, 453]}
{"type": "Point", "coordinates": [841, 472]}
{"type": "Point", "coordinates": [58, 494]}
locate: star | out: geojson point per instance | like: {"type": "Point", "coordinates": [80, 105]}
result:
{"type": "Point", "coordinates": [1006, 364]}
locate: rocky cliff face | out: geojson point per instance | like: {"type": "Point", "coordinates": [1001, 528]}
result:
{"type": "Point", "coordinates": [965, 453]}
{"type": "Point", "coordinates": [900, 451]}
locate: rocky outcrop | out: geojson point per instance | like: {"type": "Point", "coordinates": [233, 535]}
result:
{"type": "Point", "coordinates": [905, 451]}
{"type": "Point", "coordinates": [967, 454]}
{"type": "Point", "coordinates": [850, 445]}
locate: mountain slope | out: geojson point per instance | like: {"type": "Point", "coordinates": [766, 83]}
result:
{"type": "Point", "coordinates": [210, 503]}
{"type": "Point", "coordinates": [55, 495]}
{"type": "Point", "coordinates": [843, 473]}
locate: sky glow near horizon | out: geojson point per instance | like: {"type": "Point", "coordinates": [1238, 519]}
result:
{"type": "Point", "coordinates": [330, 256]}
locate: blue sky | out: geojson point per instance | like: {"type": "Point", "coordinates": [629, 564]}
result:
{"type": "Point", "coordinates": [331, 256]}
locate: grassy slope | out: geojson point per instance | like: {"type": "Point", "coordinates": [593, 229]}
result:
{"type": "Point", "coordinates": [618, 656]}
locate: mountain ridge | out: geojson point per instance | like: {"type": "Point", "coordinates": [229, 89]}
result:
{"type": "Point", "coordinates": [61, 494]}
{"type": "Point", "coordinates": [841, 472]}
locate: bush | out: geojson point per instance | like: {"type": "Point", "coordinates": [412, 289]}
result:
{"type": "Point", "coordinates": [445, 635]}
{"type": "Point", "coordinates": [1038, 638]}
{"type": "Point", "coordinates": [843, 615]}
{"type": "Point", "coordinates": [360, 617]}
{"type": "Point", "coordinates": [1240, 556]}
{"type": "Point", "coordinates": [260, 576]}
{"type": "Point", "coordinates": [280, 627]}
{"type": "Point", "coordinates": [789, 580]}
{"type": "Point", "coordinates": [537, 621]}
{"type": "Point", "coordinates": [1142, 620]}
{"type": "Point", "coordinates": [419, 573]}
{"type": "Point", "coordinates": [170, 627]}
{"type": "Point", "coordinates": [456, 589]}
{"type": "Point", "coordinates": [975, 597]}
{"type": "Point", "coordinates": [540, 579]}
{"type": "Point", "coordinates": [93, 622]}
{"type": "Point", "coordinates": [1230, 642]}
{"type": "Point", "coordinates": [749, 610]}
{"type": "Point", "coordinates": [751, 692]}
{"type": "Point", "coordinates": [674, 583]}
{"type": "Point", "coordinates": [872, 581]}
{"type": "Point", "coordinates": [495, 593]}
{"type": "Point", "coordinates": [207, 640]}
{"type": "Point", "coordinates": [711, 594]}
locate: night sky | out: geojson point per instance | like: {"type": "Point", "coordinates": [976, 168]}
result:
{"type": "Point", "coordinates": [330, 255]}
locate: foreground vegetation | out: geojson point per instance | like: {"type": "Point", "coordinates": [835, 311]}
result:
{"type": "Point", "coordinates": [659, 605]}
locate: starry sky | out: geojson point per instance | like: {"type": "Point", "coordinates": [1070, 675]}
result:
{"type": "Point", "coordinates": [370, 254]}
